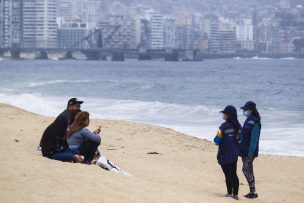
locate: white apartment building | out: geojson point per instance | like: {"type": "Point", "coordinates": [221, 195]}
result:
{"type": "Point", "coordinates": [10, 23]}
{"type": "Point", "coordinates": [39, 23]}
{"type": "Point", "coordinates": [157, 31]}
{"type": "Point", "coordinates": [244, 34]}
{"type": "Point", "coordinates": [244, 30]}
{"type": "Point", "coordinates": [227, 36]}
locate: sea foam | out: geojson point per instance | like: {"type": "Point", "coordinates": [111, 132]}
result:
{"type": "Point", "coordinates": [279, 136]}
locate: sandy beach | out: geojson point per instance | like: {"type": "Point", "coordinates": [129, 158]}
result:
{"type": "Point", "coordinates": [185, 170]}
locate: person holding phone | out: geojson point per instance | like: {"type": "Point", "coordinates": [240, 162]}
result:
{"type": "Point", "coordinates": [81, 140]}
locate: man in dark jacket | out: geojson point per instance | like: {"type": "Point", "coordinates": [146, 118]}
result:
{"type": "Point", "coordinates": [53, 143]}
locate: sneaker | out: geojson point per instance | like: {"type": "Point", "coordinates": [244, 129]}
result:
{"type": "Point", "coordinates": [251, 195]}
{"type": "Point", "coordinates": [235, 197]}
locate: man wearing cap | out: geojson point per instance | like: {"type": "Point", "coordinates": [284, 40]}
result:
{"type": "Point", "coordinates": [53, 141]}
{"type": "Point", "coordinates": [249, 147]}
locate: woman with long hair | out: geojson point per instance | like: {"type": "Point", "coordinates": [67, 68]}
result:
{"type": "Point", "coordinates": [249, 148]}
{"type": "Point", "coordinates": [227, 139]}
{"type": "Point", "coordinates": [81, 140]}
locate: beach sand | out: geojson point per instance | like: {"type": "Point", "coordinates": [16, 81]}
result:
{"type": "Point", "coordinates": [185, 171]}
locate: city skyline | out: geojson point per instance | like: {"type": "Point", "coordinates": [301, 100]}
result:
{"type": "Point", "coordinates": [214, 27]}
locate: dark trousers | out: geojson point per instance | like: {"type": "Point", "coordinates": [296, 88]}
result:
{"type": "Point", "coordinates": [63, 156]}
{"type": "Point", "coordinates": [248, 172]}
{"type": "Point", "coordinates": [232, 180]}
{"type": "Point", "coordinates": [88, 149]}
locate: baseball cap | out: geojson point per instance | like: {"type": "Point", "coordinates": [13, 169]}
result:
{"type": "Point", "coordinates": [229, 109]}
{"type": "Point", "coordinates": [73, 101]}
{"type": "Point", "coordinates": [249, 105]}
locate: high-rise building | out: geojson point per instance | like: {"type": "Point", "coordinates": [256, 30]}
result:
{"type": "Point", "coordinates": [1, 24]}
{"type": "Point", "coordinates": [39, 23]}
{"type": "Point", "coordinates": [276, 41]}
{"type": "Point", "coordinates": [169, 33]}
{"type": "Point", "coordinates": [142, 25]}
{"type": "Point", "coordinates": [10, 23]}
{"type": "Point", "coordinates": [214, 44]}
{"type": "Point", "coordinates": [244, 34]}
{"type": "Point", "coordinates": [227, 36]}
{"type": "Point", "coordinates": [65, 9]}
{"type": "Point", "coordinates": [157, 31]}
{"type": "Point", "coordinates": [264, 39]}
{"type": "Point", "coordinates": [244, 30]}
{"type": "Point", "coordinates": [29, 24]}
{"type": "Point", "coordinates": [183, 34]}
{"type": "Point", "coordinates": [142, 33]}
{"type": "Point", "coordinates": [91, 13]}
{"type": "Point", "coordinates": [86, 11]}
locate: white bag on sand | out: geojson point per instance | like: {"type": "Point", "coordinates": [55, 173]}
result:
{"type": "Point", "coordinates": [104, 163]}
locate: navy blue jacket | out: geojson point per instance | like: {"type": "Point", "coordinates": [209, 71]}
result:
{"type": "Point", "coordinates": [250, 137]}
{"type": "Point", "coordinates": [228, 141]}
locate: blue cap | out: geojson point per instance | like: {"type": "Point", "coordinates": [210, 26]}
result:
{"type": "Point", "coordinates": [249, 105]}
{"type": "Point", "coordinates": [229, 110]}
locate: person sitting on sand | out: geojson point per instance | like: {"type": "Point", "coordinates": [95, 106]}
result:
{"type": "Point", "coordinates": [227, 139]}
{"type": "Point", "coordinates": [249, 148]}
{"type": "Point", "coordinates": [81, 140]}
{"type": "Point", "coordinates": [53, 143]}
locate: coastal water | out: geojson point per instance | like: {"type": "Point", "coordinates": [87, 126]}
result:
{"type": "Point", "coordinates": [185, 96]}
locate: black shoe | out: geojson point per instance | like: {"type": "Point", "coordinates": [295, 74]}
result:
{"type": "Point", "coordinates": [251, 195]}
{"type": "Point", "coordinates": [235, 197]}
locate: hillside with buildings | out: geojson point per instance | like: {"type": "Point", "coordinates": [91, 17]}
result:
{"type": "Point", "coordinates": [215, 27]}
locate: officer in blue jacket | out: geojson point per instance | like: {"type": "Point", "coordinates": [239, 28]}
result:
{"type": "Point", "coordinates": [227, 139]}
{"type": "Point", "coordinates": [249, 148]}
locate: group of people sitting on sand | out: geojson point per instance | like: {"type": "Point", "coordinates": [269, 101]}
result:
{"type": "Point", "coordinates": [233, 141]}
{"type": "Point", "coordinates": [68, 139]}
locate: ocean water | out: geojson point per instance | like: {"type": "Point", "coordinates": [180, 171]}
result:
{"type": "Point", "coordinates": [185, 96]}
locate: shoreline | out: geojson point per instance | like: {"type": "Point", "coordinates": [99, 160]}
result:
{"type": "Point", "coordinates": [204, 57]}
{"type": "Point", "coordinates": [185, 170]}
{"type": "Point", "coordinates": [161, 126]}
